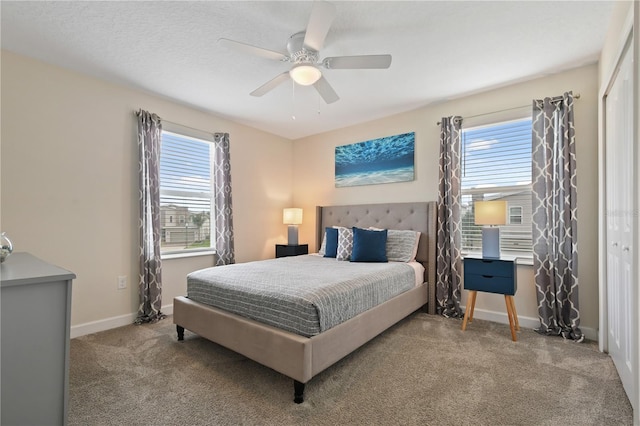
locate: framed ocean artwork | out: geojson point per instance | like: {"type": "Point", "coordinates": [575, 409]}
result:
{"type": "Point", "coordinates": [383, 160]}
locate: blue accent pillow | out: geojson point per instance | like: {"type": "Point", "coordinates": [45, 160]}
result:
{"type": "Point", "coordinates": [331, 247]}
{"type": "Point", "coordinates": [369, 245]}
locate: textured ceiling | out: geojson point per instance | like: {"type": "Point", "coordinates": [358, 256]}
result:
{"type": "Point", "coordinates": [441, 50]}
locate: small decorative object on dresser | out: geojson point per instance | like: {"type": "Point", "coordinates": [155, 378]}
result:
{"type": "Point", "coordinates": [6, 247]}
{"type": "Point", "coordinates": [491, 276]}
{"type": "Point", "coordinates": [284, 250]}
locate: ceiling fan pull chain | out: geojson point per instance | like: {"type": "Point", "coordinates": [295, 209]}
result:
{"type": "Point", "coordinates": [293, 100]}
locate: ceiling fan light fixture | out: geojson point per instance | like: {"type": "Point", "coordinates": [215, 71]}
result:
{"type": "Point", "coordinates": [305, 75]}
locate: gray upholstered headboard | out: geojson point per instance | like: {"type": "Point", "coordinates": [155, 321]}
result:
{"type": "Point", "coordinates": [418, 216]}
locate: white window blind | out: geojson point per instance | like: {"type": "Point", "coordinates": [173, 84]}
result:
{"type": "Point", "coordinates": [496, 165]}
{"type": "Point", "coordinates": [185, 193]}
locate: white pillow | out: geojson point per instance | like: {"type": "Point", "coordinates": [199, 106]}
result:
{"type": "Point", "coordinates": [402, 245]}
{"type": "Point", "coordinates": [323, 246]}
{"type": "Point", "coordinates": [345, 243]}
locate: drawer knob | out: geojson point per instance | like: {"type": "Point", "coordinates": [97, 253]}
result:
{"type": "Point", "coordinates": [487, 276]}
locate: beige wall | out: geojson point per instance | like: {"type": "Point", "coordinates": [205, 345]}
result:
{"type": "Point", "coordinates": [69, 178]}
{"type": "Point", "coordinates": [69, 182]}
{"type": "Point", "coordinates": [617, 33]}
{"type": "Point", "coordinates": [314, 171]}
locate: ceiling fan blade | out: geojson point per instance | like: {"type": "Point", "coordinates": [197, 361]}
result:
{"type": "Point", "coordinates": [253, 50]}
{"type": "Point", "coordinates": [322, 15]}
{"type": "Point", "coordinates": [271, 84]}
{"type": "Point", "coordinates": [358, 62]}
{"type": "Point", "coordinates": [326, 91]}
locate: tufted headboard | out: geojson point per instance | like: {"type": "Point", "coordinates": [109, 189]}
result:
{"type": "Point", "coordinates": [418, 216]}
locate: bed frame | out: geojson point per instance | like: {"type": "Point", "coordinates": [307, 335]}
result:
{"type": "Point", "coordinates": [300, 357]}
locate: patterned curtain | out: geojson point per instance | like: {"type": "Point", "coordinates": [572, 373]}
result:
{"type": "Point", "coordinates": [223, 210]}
{"type": "Point", "coordinates": [150, 283]}
{"type": "Point", "coordinates": [555, 254]}
{"type": "Point", "coordinates": [448, 262]}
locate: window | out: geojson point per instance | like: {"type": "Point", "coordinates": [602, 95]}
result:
{"type": "Point", "coordinates": [515, 215]}
{"type": "Point", "coordinates": [185, 190]}
{"type": "Point", "coordinates": [496, 165]}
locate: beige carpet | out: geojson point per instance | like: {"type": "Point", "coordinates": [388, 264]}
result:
{"type": "Point", "coordinates": [424, 371]}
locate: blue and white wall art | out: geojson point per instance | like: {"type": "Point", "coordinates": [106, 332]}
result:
{"type": "Point", "coordinates": [383, 160]}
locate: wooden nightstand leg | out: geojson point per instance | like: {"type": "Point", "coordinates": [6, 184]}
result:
{"type": "Point", "coordinates": [468, 314]}
{"type": "Point", "coordinates": [511, 320]}
{"type": "Point", "coordinates": [473, 304]}
{"type": "Point", "coordinates": [513, 311]}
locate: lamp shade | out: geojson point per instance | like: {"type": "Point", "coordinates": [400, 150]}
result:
{"type": "Point", "coordinates": [292, 216]}
{"type": "Point", "coordinates": [305, 75]}
{"type": "Point", "coordinates": [490, 212]}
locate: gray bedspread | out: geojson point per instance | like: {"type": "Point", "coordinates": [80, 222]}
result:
{"type": "Point", "coordinates": [305, 295]}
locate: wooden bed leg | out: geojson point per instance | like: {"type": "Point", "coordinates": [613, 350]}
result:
{"type": "Point", "coordinates": [298, 392]}
{"type": "Point", "coordinates": [180, 331]}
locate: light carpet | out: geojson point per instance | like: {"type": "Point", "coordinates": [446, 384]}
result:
{"type": "Point", "coordinates": [424, 371]}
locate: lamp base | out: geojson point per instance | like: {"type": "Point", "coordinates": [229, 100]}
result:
{"type": "Point", "coordinates": [491, 243]}
{"type": "Point", "coordinates": [292, 235]}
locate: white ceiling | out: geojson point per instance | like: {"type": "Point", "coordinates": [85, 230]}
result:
{"type": "Point", "coordinates": [441, 50]}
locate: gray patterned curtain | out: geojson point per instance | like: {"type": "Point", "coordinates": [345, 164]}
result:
{"type": "Point", "coordinates": [448, 262]}
{"type": "Point", "coordinates": [150, 283]}
{"type": "Point", "coordinates": [223, 209]}
{"type": "Point", "coordinates": [555, 254]}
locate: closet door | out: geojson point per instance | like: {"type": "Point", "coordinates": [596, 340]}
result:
{"type": "Point", "coordinates": [619, 199]}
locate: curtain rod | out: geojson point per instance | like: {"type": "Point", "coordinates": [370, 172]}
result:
{"type": "Point", "coordinates": [182, 125]}
{"type": "Point", "coordinates": [554, 99]}
{"type": "Point", "coordinates": [187, 127]}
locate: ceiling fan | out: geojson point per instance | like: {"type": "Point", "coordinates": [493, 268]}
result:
{"type": "Point", "coordinates": [303, 52]}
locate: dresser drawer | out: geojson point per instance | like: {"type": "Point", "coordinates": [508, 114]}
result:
{"type": "Point", "coordinates": [492, 267]}
{"type": "Point", "coordinates": [490, 284]}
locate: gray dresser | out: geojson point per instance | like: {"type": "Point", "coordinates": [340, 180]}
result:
{"type": "Point", "coordinates": [35, 322]}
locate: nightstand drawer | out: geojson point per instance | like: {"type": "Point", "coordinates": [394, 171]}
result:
{"type": "Point", "coordinates": [489, 283]}
{"type": "Point", "coordinates": [493, 267]}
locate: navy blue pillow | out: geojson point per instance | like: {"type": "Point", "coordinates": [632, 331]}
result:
{"type": "Point", "coordinates": [331, 242]}
{"type": "Point", "coordinates": [369, 245]}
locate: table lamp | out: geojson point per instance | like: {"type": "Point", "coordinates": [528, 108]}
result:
{"type": "Point", "coordinates": [293, 218]}
{"type": "Point", "coordinates": [490, 213]}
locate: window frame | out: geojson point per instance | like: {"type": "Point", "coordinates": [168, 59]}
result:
{"type": "Point", "coordinates": [511, 215]}
{"type": "Point", "coordinates": [187, 133]}
{"type": "Point", "coordinates": [470, 124]}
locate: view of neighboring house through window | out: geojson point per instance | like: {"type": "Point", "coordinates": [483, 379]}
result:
{"type": "Point", "coordinates": [185, 192]}
{"type": "Point", "coordinates": [515, 215]}
{"type": "Point", "coordinates": [496, 165]}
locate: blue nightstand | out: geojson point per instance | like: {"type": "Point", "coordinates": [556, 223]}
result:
{"type": "Point", "coordinates": [491, 276]}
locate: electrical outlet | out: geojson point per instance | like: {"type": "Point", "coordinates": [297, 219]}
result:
{"type": "Point", "coordinates": [122, 282]}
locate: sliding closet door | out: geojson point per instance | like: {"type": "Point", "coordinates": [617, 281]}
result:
{"type": "Point", "coordinates": [619, 201]}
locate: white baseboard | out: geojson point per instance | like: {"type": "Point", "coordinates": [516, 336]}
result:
{"type": "Point", "coordinates": [109, 323]}
{"type": "Point", "coordinates": [527, 322]}
{"type": "Point", "coordinates": [122, 320]}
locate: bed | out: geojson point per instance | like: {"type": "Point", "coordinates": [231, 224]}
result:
{"type": "Point", "coordinates": [302, 357]}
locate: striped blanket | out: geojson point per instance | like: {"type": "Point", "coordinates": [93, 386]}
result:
{"type": "Point", "coordinates": [305, 295]}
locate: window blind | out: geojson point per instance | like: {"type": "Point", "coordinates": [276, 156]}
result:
{"type": "Point", "coordinates": [496, 165]}
{"type": "Point", "coordinates": [185, 193]}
